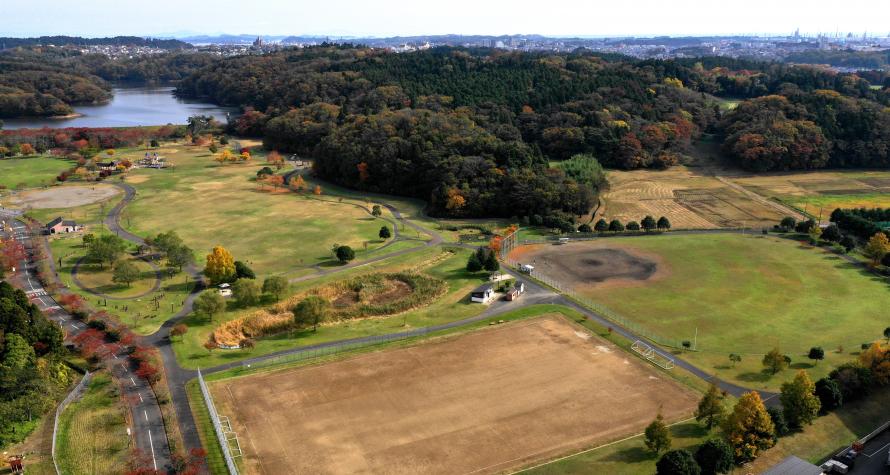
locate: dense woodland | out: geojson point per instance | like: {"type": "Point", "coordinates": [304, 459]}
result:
{"type": "Point", "coordinates": [32, 374]}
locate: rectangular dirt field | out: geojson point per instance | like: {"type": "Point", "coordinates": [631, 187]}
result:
{"type": "Point", "coordinates": [482, 402]}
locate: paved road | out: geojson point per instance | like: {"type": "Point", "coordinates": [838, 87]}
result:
{"type": "Point", "coordinates": [148, 425]}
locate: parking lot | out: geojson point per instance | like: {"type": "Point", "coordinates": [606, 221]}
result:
{"type": "Point", "coordinates": [873, 459]}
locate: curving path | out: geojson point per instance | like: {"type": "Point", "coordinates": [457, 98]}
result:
{"type": "Point", "coordinates": [537, 294]}
{"type": "Point", "coordinates": [155, 286]}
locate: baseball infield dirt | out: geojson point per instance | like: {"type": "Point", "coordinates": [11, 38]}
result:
{"type": "Point", "coordinates": [482, 402]}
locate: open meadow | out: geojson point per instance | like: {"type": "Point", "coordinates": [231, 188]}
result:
{"type": "Point", "coordinates": [743, 294]}
{"type": "Point", "coordinates": [31, 172]}
{"type": "Point", "coordinates": [210, 204]}
{"type": "Point", "coordinates": [484, 401]}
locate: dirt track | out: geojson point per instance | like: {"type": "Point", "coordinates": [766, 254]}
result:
{"type": "Point", "coordinates": [482, 402]}
{"type": "Point", "coordinates": [63, 196]}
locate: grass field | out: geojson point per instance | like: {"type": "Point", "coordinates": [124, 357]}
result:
{"type": "Point", "coordinates": [274, 232]}
{"type": "Point", "coordinates": [541, 366]}
{"type": "Point", "coordinates": [100, 279]}
{"type": "Point", "coordinates": [452, 306]}
{"type": "Point", "coordinates": [741, 294]}
{"type": "Point", "coordinates": [688, 197]}
{"type": "Point", "coordinates": [93, 431]}
{"type": "Point", "coordinates": [823, 190]}
{"type": "Point", "coordinates": [31, 172]}
{"type": "Point", "coordinates": [144, 314]}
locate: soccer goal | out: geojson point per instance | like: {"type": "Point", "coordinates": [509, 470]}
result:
{"type": "Point", "coordinates": [652, 355]}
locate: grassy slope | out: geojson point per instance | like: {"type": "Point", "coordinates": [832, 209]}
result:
{"type": "Point", "coordinates": [32, 171]}
{"type": "Point", "coordinates": [93, 431]}
{"type": "Point", "coordinates": [790, 296]}
{"type": "Point", "coordinates": [452, 306]}
{"type": "Point", "coordinates": [210, 204]}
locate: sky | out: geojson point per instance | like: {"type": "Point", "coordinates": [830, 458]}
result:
{"type": "Point", "coordinates": [596, 18]}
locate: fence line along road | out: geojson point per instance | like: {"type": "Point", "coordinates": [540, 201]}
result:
{"type": "Point", "coordinates": [217, 427]}
{"type": "Point", "coordinates": [74, 394]}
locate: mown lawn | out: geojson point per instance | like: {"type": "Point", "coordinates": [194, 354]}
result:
{"type": "Point", "coordinates": [275, 232]}
{"type": "Point", "coordinates": [452, 306]}
{"type": "Point", "coordinates": [830, 202]}
{"type": "Point", "coordinates": [93, 431]}
{"type": "Point", "coordinates": [31, 172]}
{"type": "Point", "coordinates": [749, 294]}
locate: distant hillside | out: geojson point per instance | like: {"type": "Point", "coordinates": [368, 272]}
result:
{"type": "Point", "coordinates": [844, 59]}
{"type": "Point", "coordinates": [7, 42]}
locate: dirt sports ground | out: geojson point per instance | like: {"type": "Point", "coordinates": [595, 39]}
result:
{"type": "Point", "coordinates": [482, 402]}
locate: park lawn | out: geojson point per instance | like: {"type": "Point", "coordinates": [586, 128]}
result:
{"type": "Point", "coordinates": [454, 305]}
{"type": "Point", "coordinates": [93, 430]}
{"type": "Point", "coordinates": [89, 216]}
{"type": "Point", "coordinates": [32, 171]}
{"type": "Point", "coordinates": [209, 204]}
{"type": "Point", "coordinates": [100, 279]}
{"type": "Point", "coordinates": [145, 314]}
{"type": "Point", "coordinates": [748, 294]}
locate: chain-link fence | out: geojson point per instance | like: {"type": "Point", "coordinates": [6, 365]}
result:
{"type": "Point", "coordinates": [601, 310]}
{"type": "Point", "coordinates": [217, 426]}
{"type": "Point", "coordinates": [74, 394]}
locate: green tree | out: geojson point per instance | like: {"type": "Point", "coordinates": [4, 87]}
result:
{"type": "Point", "coordinates": [887, 334]}
{"type": "Point", "coordinates": [788, 223]}
{"type": "Point", "coordinates": [848, 242]}
{"type": "Point", "coordinates": [210, 303]}
{"type": "Point", "coordinates": [710, 408]}
{"type": "Point", "coordinates": [345, 254]}
{"type": "Point", "coordinates": [779, 423]}
{"type": "Point", "coordinates": [657, 435]}
{"type": "Point", "coordinates": [243, 271]}
{"type": "Point", "coordinates": [799, 402]}
{"type": "Point", "coordinates": [615, 226]}
{"type": "Point", "coordinates": [714, 456]}
{"type": "Point", "coordinates": [677, 462]}
{"type": "Point", "coordinates": [473, 263]}
{"type": "Point", "coordinates": [584, 228]}
{"type": "Point", "coordinates": [106, 249]}
{"type": "Point", "coordinates": [829, 393]}
{"type": "Point", "coordinates": [633, 226]}
{"type": "Point", "coordinates": [384, 233]}
{"type": "Point", "coordinates": [180, 256]}
{"type": "Point", "coordinates": [125, 272]}
{"type": "Point", "coordinates": [816, 353]}
{"type": "Point", "coordinates": [832, 233]}
{"type": "Point", "coordinates": [663, 223]}
{"type": "Point", "coordinates": [275, 285]}
{"type": "Point", "coordinates": [601, 226]}
{"type": "Point", "coordinates": [376, 211]}
{"type": "Point", "coordinates": [19, 354]}
{"type": "Point", "coordinates": [749, 429]}
{"type": "Point", "coordinates": [648, 223]}
{"type": "Point", "coordinates": [735, 359]}
{"type": "Point", "coordinates": [312, 310]}
{"type": "Point", "coordinates": [775, 361]}
{"type": "Point", "coordinates": [246, 292]}
{"type": "Point", "coordinates": [491, 263]}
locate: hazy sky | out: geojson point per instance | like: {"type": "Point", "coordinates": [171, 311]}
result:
{"type": "Point", "coordinates": [403, 17]}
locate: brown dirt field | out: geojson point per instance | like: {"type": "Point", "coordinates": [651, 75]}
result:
{"type": "Point", "coordinates": [689, 197]}
{"type": "Point", "coordinates": [592, 264]}
{"type": "Point", "coordinates": [483, 402]}
{"type": "Point", "coordinates": [64, 196]}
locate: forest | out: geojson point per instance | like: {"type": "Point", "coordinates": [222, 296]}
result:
{"type": "Point", "coordinates": [32, 374]}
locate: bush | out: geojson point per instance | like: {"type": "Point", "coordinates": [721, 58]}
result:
{"type": "Point", "coordinates": [585, 228]}
{"type": "Point", "coordinates": [778, 418]}
{"type": "Point", "coordinates": [242, 271]}
{"type": "Point", "coordinates": [829, 393]}
{"type": "Point", "coordinates": [345, 254]}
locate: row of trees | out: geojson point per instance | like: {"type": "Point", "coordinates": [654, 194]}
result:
{"type": "Point", "coordinates": [647, 224]}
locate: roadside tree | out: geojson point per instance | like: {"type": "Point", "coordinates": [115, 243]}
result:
{"type": "Point", "coordinates": [799, 402]}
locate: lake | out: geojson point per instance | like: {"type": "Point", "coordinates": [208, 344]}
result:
{"type": "Point", "coordinates": [131, 106]}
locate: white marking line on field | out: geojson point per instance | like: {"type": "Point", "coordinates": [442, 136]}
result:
{"type": "Point", "coordinates": [152, 445]}
{"type": "Point", "coordinates": [576, 453]}
{"type": "Point", "coordinates": [879, 450]}
{"type": "Point", "coordinates": [145, 413]}
{"type": "Point", "coordinates": [132, 381]}
{"type": "Point", "coordinates": [140, 397]}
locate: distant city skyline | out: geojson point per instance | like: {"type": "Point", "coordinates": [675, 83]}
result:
{"type": "Point", "coordinates": [386, 18]}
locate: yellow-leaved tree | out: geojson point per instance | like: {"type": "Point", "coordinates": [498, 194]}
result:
{"type": "Point", "coordinates": [220, 266]}
{"type": "Point", "coordinates": [877, 359]}
{"type": "Point", "coordinates": [878, 246]}
{"type": "Point", "coordinates": [749, 428]}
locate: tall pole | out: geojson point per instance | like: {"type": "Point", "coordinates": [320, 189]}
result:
{"type": "Point", "coordinates": [695, 340]}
